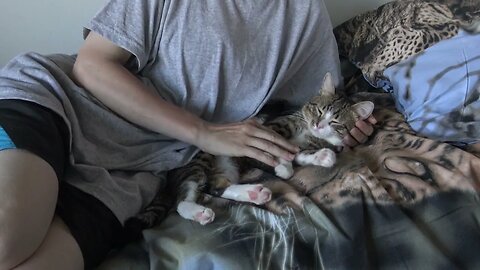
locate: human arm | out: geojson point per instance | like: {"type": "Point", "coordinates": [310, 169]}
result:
{"type": "Point", "coordinates": [100, 69]}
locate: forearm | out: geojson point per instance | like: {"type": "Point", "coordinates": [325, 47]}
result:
{"type": "Point", "coordinates": [125, 94]}
{"type": "Point", "coordinates": [100, 69]}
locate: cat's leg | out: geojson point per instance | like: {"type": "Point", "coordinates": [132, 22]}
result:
{"type": "Point", "coordinates": [323, 157]}
{"type": "Point", "coordinates": [189, 209]}
{"type": "Point", "coordinates": [285, 169]}
{"type": "Point", "coordinates": [221, 186]}
{"type": "Point", "coordinates": [252, 193]}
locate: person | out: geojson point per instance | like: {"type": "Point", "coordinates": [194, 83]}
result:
{"type": "Point", "coordinates": [86, 140]}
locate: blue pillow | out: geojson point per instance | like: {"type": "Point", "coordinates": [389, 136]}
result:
{"type": "Point", "coordinates": [438, 90]}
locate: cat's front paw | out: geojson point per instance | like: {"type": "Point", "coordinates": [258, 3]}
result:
{"type": "Point", "coordinates": [324, 157]}
{"type": "Point", "coordinates": [284, 170]}
{"type": "Point", "coordinates": [196, 212]}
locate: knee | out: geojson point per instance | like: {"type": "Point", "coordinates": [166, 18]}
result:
{"type": "Point", "coordinates": [14, 249]}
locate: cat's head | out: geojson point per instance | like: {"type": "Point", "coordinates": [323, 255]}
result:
{"type": "Point", "coordinates": [330, 116]}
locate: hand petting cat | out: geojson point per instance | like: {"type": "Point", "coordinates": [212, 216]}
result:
{"type": "Point", "coordinates": [248, 138]}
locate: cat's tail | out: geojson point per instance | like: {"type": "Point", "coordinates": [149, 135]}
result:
{"type": "Point", "coordinates": [155, 212]}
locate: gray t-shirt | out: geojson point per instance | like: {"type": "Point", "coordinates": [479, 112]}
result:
{"type": "Point", "coordinates": [221, 60]}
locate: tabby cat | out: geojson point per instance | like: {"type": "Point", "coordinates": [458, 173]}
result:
{"type": "Point", "coordinates": [317, 128]}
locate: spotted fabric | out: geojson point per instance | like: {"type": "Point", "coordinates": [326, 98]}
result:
{"type": "Point", "coordinates": [375, 40]}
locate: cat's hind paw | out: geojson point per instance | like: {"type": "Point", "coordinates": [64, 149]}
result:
{"type": "Point", "coordinates": [325, 158]}
{"type": "Point", "coordinates": [204, 217]}
{"type": "Point", "coordinates": [196, 212]}
{"type": "Point", "coordinates": [284, 170]}
{"type": "Point", "coordinates": [257, 194]}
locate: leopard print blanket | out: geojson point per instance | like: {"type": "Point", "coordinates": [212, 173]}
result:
{"type": "Point", "coordinates": [397, 30]}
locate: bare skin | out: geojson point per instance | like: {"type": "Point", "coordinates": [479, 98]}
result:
{"type": "Point", "coordinates": [28, 237]}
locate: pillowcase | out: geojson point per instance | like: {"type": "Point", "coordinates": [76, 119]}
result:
{"type": "Point", "coordinates": [438, 90]}
{"type": "Point", "coordinates": [375, 40]}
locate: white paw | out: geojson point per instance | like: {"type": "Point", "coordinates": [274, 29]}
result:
{"type": "Point", "coordinates": [284, 170]}
{"type": "Point", "coordinates": [257, 194]}
{"type": "Point", "coordinates": [196, 212]}
{"type": "Point", "coordinates": [324, 157]}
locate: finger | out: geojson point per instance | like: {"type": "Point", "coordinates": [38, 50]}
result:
{"type": "Point", "coordinates": [256, 120]}
{"type": "Point", "coordinates": [365, 128]}
{"type": "Point", "coordinates": [271, 148]}
{"type": "Point", "coordinates": [349, 141]}
{"type": "Point", "coordinates": [358, 135]}
{"type": "Point", "coordinates": [270, 135]}
{"type": "Point", "coordinates": [372, 120]}
{"type": "Point", "coordinates": [261, 156]}
{"type": "Point", "coordinates": [252, 121]}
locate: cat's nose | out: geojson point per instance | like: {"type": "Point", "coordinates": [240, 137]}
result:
{"type": "Point", "coordinates": [319, 125]}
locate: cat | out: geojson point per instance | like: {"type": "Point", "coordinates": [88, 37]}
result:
{"type": "Point", "coordinates": [317, 128]}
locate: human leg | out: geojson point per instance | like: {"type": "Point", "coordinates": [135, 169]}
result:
{"type": "Point", "coordinates": [59, 250]}
{"type": "Point", "coordinates": [29, 188]}
{"type": "Point", "coordinates": [30, 175]}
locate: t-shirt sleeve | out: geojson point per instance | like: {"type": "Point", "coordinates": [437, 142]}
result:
{"type": "Point", "coordinates": [130, 24]}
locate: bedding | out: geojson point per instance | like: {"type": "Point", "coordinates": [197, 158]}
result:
{"type": "Point", "coordinates": [425, 54]}
{"type": "Point", "coordinates": [399, 201]}
{"type": "Point", "coordinates": [377, 39]}
{"type": "Point", "coordinates": [449, 72]}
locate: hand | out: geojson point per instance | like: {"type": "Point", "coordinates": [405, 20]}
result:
{"type": "Point", "coordinates": [248, 138]}
{"type": "Point", "coordinates": [359, 134]}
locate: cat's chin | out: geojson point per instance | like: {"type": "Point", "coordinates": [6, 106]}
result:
{"type": "Point", "coordinates": [330, 137]}
{"type": "Point", "coordinates": [334, 140]}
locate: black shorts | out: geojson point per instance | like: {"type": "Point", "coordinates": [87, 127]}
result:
{"type": "Point", "coordinates": [42, 132]}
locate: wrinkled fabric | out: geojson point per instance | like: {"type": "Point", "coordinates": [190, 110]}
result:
{"type": "Point", "coordinates": [438, 90]}
{"type": "Point", "coordinates": [399, 201]}
{"type": "Point", "coordinates": [221, 60]}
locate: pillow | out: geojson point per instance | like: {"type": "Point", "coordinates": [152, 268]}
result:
{"type": "Point", "coordinates": [397, 30]}
{"type": "Point", "coordinates": [438, 90]}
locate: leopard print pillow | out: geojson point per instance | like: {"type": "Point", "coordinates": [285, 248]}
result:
{"type": "Point", "coordinates": [375, 40]}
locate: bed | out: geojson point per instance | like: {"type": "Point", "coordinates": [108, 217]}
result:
{"type": "Point", "coordinates": [406, 199]}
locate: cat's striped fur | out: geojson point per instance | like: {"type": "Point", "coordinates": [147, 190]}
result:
{"type": "Point", "coordinates": [317, 128]}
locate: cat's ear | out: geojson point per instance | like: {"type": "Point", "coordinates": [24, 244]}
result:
{"type": "Point", "coordinates": [363, 109]}
{"type": "Point", "coordinates": [328, 86]}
